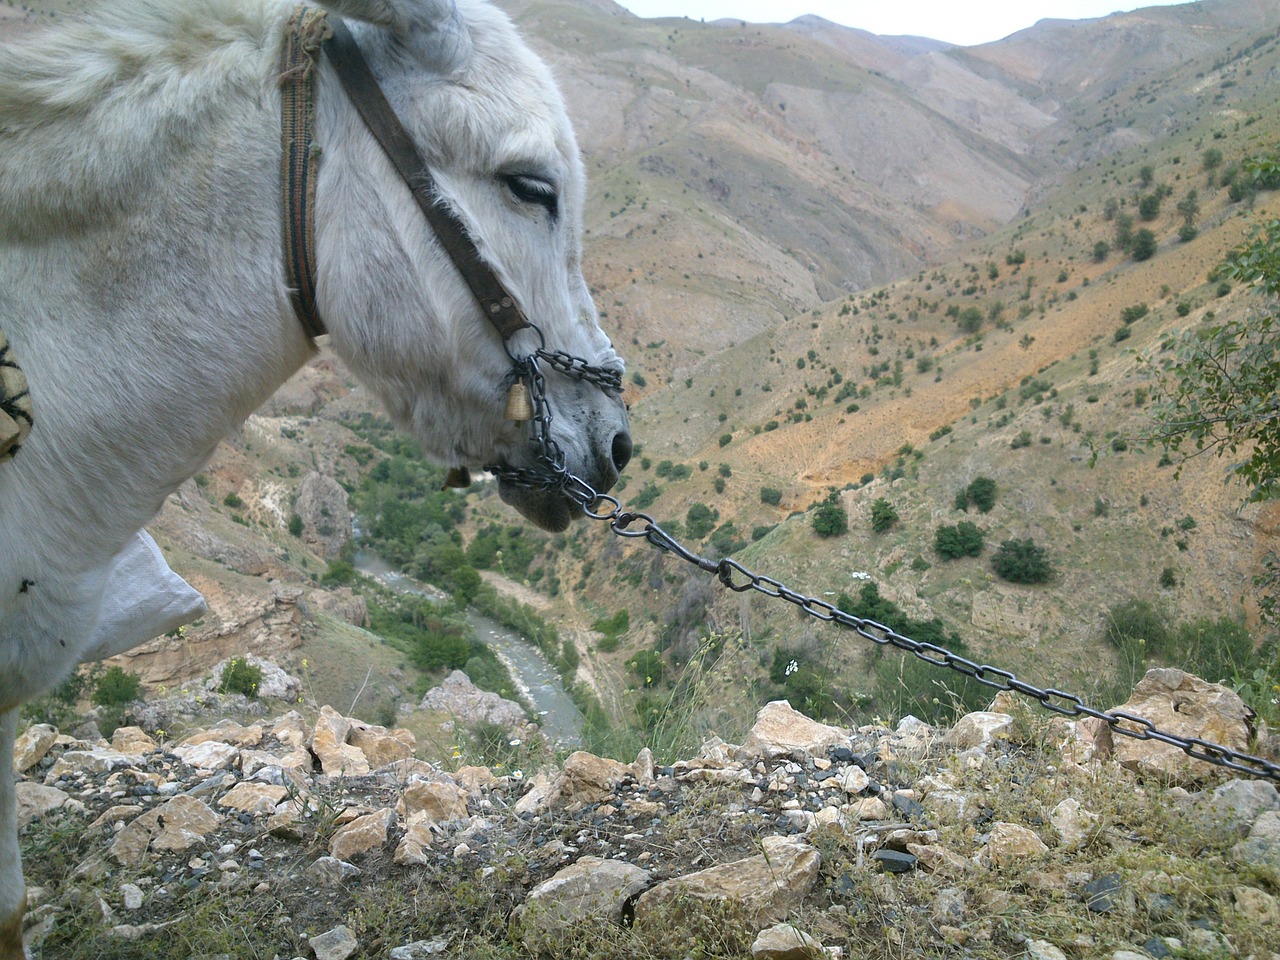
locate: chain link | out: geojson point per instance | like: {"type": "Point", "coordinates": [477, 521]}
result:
{"type": "Point", "coordinates": [553, 475]}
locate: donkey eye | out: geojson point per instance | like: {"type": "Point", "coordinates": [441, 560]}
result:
{"type": "Point", "coordinates": [531, 189]}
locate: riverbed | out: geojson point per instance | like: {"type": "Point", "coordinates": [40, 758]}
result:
{"type": "Point", "coordinates": [535, 678]}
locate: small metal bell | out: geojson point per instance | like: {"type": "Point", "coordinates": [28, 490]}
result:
{"type": "Point", "coordinates": [458, 478]}
{"type": "Point", "coordinates": [519, 405]}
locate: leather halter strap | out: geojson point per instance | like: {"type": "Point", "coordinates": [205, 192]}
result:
{"type": "Point", "coordinates": [299, 160]}
{"type": "Point", "coordinates": [363, 90]}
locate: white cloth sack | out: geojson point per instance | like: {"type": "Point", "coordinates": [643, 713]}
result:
{"type": "Point", "coordinates": [143, 599]}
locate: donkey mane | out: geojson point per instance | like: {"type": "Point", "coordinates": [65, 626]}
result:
{"type": "Point", "coordinates": [92, 114]}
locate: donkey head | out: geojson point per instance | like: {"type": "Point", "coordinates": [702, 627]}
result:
{"type": "Point", "coordinates": [486, 115]}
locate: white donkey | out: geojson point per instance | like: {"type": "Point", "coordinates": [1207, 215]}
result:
{"type": "Point", "coordinates": [142, 288]}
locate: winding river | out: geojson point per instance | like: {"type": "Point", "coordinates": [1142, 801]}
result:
{"type": "Point", "coordinates": [535, 678]}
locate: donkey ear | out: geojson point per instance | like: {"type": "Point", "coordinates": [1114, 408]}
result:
{"type": "Point", "coordinates": [432, 30]}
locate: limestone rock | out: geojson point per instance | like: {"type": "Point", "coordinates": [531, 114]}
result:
{"type": "Point", "coordinates": [379, 745]}
{"type": "Point", "coordinates": [90, 762]}
{"type": "Point", "coordinates": [432, 802]}
{"type": "Point", "coordinates": [1240, 802]}
{"type": "Point", "coordinates": [326, 515]}
{"type": "Point", "coordinates": [590, 779]}
{"type": "Point", "coordinates": [343, 604]}
{"type": "Point", "coordinates": [785, 942]}
{"type": "Point", "coordinates": [35, 800]}
{"type": "Point", "coordinates": [978, 730]}
{"type": "Point", "coordinates": [592, 889]}
{"type": "Point", "coordinates": [258, 799]}
{"type": "Point", "coordinates": [766, 887]}
{"type": "Point", "coordinates": [779, 730]}
{"type": "Point", "coordinates": [1184, 705]}
{"type": "Point", "coordinates": [209, 756]}
{"type": "Point", "coordinates": [420, 949]}
{"type": "Point", "coordinates": [174, 825]}
{"type": "Point", "coordinates": [132, 741]}
{"type": "Point", "coordinates": [457, 696]}
{"type": "Point", "coordinates": [336, 944]}
{"type": "Point", "coordinates": [330, 871]}
{"type": "Point", "coordinates": [329, 744]}
{"type": "Point", "coordinates": [1259, 906]}
{"type": "Point", "coordinates": [1262, 846]}
{"type": "Point", "coordinates": [1010, 844]}
{"type": "Point", "coordinates": [414, 847]}
{"type": "Point", "coordinates": [362, 834]}
{"type": "Point", "coordinates": [1073, 823]}
{"type": "Point", "coordinates": [227, 731]}
{"type": "Point", "coordinates": [32, 745]}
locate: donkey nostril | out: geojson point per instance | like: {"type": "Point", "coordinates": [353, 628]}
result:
{"type": "Point", "coordinates": [621, 450]}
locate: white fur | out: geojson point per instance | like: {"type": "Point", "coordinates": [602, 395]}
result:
{"type": "Point", "coordinates": [141, 280]}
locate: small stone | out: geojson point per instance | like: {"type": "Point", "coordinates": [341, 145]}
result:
{"type": "Point", "coordinates": [336, 944]}
{"type": "Point", "coordinates": [1009, 844]}
{"type": "Point", "coordinates": [32, 746]}
{"type": "Point", "coordinates": [854, 780]}
{"type": "Point", "coordinates": [208, 755]}
{"type": "Point", "coordinates": [1072, 823]}
{"type": "Point", "coordinates": [892, 861]}
{"type": "Point", "coordinates": [420, 949]}
{"type": "Point", "coordinates": [1043, 950]}
{"type": "Point", "coordinates": [978, 730]}
{"type": "Point", "coordinates": [131, 896]}
{"type": "Point", "coordinates": [1262, 846]}
{"type": "Point", "coordinates": [785, 942]}
{"type": "Point", "coordinates": [362, 834]}
{"type": "Point", "coordinates": [35, 800]}
{"type": "Point", "coordinates": [330, 871]}
{"type": "Point", "coordinates": [1257, 906]}
{"type": "Point", "coordinates": [1104, 893]}
{"type": "Point", "coordinates": [257, 799]}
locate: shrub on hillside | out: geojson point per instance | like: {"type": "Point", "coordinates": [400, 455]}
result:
{"type": "Point", "coordinates": [962, 540]}
{"type": "Point", "coordinates": [771, 496]}
{"type": "Point", "coordinates": [1022, 561]}
{"type": "Point", "coordinates": [116, 686]}
{"type": "Point", "coordinates": [242, 677]}
{"type": "Point", "coordinates": [981, 493]}
{"type": "Point", "coordinates": [830, 518]}
{"type": "Point", "coordinates": [883, 516]}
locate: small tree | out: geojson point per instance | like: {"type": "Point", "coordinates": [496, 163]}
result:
{"type": "Point", "coordinates": [883, 516]}
{"type": "Point", "coordinates": [1144, 245]}
{"type": "Point", "coordinates": [830, 518]}
{"type": "Point", "coordinates": [771, 496]}
{"type": "Point", "coordinates": [1022, 561]}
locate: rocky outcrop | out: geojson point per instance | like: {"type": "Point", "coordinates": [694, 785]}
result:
{"type": "Point", "coordinates": [766, 846]}
{"type": "Point", "coordinates": [457, 696]}
{"type": "Point", "coordinates": [266, 625]}
{"type": "Point", "coordinates": [1185, 706]}
{"type": "Point", "coordinates": [326, 515]}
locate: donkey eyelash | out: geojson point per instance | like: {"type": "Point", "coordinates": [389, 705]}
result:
{"type": "Point", "coordinates": [531, 189]}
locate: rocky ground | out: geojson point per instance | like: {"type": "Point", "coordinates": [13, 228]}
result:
{"type": "Point", "coordinates": [1007, 835]}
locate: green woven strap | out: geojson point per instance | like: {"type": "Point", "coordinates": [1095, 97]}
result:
{"type": "Point", "coordinates": [17, 412]}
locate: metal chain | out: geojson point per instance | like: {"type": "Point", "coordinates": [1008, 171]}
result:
{"type": "Point", "coordinates": [553, 475]}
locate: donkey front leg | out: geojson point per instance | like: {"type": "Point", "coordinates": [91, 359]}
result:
{"type": "Point", "coordinates": [13, 892]}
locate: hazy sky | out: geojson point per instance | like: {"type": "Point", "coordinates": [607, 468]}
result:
{"type": "Point", "coordinates": [949, 20]}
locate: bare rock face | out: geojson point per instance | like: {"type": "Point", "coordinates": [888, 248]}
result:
{"type": "Point", "coordinates": [766, 887]}
{"type": "Point", "coordinates": [1186, 706]}
{"type": "Point", "coordinates": [326, 515]}
{"type": "Point", "coordinates": [459, 697]}
{"type": "Point", "coordinates": [593, 889]}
